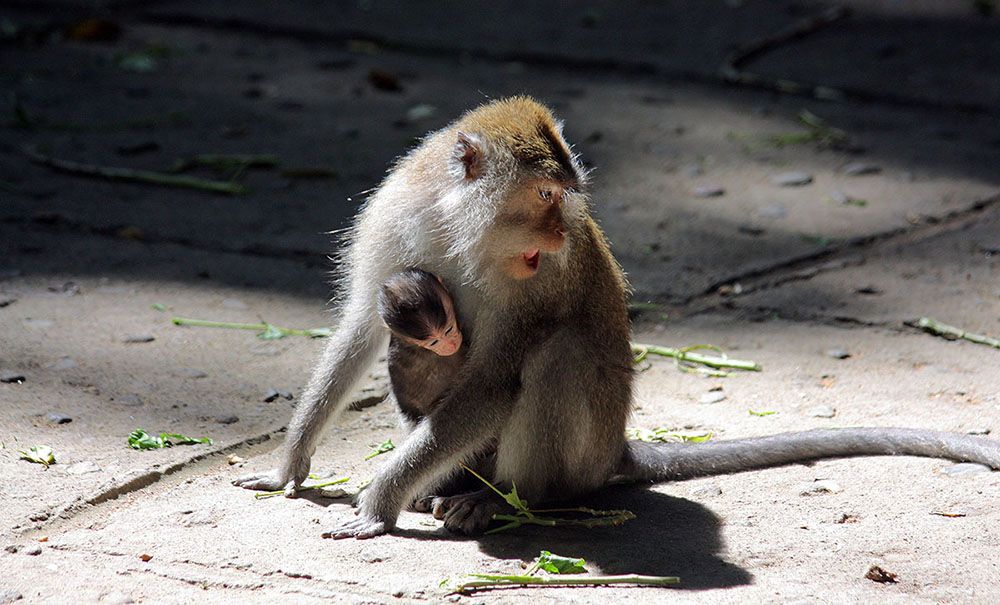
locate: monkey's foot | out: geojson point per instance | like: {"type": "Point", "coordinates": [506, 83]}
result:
{"type": "Point", "coordinates": [361, 528]}
{"type": "Point", "coordinates": [424, 504]}
{"type": "Point", "coordinates": [269, 482]}
{"type": "Point", "coordinates": [467, 513]}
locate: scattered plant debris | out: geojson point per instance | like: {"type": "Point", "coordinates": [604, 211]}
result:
{"type": "Point", "coordinates": [262, 495]}
{"type": "Point", "coordinates": [687, 360]}
{"type": "Point", "coordinates": [139, 439]}
{"type": "Point", "coordinates": [932, 326]}
{"type": "Point", "coordinates": [265, 331]}
{"type": "Point", "coordinates": [149, 177]}
{"type": "Point", "coordinates": [557, 568]}
{"type": "Point", "coordinates": [385, 446]}
{"type": "Point", "coordinates": [664, 435]}
{"type": "Point", "coordinates": [763, 413]}
{"type": "Point", "coordinates": [39, 454]}
{"type": "Point", "coordinates": [526, 516]}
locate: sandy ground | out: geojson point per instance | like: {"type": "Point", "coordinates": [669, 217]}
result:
{"type": "Point", "coordinates": [784, 276]}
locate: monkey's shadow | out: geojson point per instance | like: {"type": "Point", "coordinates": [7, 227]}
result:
{"type": "Point", "coordinates": [669, 537]}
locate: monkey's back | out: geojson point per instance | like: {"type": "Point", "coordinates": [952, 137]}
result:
{"type": "Point", "coordinates": [420, 377]}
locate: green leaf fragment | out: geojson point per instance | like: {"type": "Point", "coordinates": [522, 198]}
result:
{"type": "Point", "coordinates": [39, 454]}
{"type": "Point", "coordinates": [139, 439]}
{"type": "Point", "coordinates": [559, 564]}
{"type": "Point", "coordinates": [271, 332]}
{"type": "Point", "coordinates": [159, 307]}
{"type": "Point", "coordinates": [764, 413]}
{"type": "Point", "coordinates": [385, 446]}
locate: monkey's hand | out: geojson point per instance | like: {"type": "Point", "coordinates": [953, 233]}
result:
{"type": "Point", "coordinates": [283, 478]}
{"type": "Point", "coordinates": [370, 521]}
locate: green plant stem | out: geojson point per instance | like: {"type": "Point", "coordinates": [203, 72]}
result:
{"type": "Point", "coordinates": [602, 518]}
{"type": "Point", "coordinates": [114, 173]}
{"type": "Point", "coordinates": [499, 581]}
{"type": "Point", "coordinates": [302, 488]}
{"type": "Point", "coordinates": [944, 330]}
{"type": "Point", "coordinates": [260, 327]}
{"type": "Point", "coordinates": [642, 350]}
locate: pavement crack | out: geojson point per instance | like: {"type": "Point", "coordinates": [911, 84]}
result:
{"type": "Point", "coordinates": [849, 253]}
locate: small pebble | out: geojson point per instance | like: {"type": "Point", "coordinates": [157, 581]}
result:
{"type": "Point", "coordinates": [11, 548]}
{"type": "Point", "coordinates": [6, 300]}
{"type": "Point", "coordinates": [192, 373]}
{"type": "Point", "coordinates": [965, 468]}
{"type": "Point", "coordinates": [58, 418]}
{"type": "Point", "coordinates": [861, 168]}
{"type": "Point", "coordinates": [709, 191]}
{"type": "Point", "coordinates": [822, 411]}
{"type": "Point", "coordinates": [11, 377]}
{"type": "Point", "coordinates": [774, 211]}
{"type": "Point", "coordinates": [234, 303]}
{"type": "Point", "coordinates": [39, 323]}
{"type": "Point", "coordinates": [145, 557]}
{"type": "Point", "coordinates": [877, 574]}
{"type": "Point", "coordinates": [138, 338]}
{"type": "Point", "coordinates": [712, 397]}
{"type": "Point", "coordinates": [9, 596]}
{"type": "Point", "coordinates": [693, 170]}
{"type": "Point", "coordinates": [227, 419]}
{"type": "Point", "coordinates": [979, 430]}
{"type": "Point", "coordinates": [130, 399]}
{"type": "Point", "coordinates": [420, 112]}
{"type": "Point", "coordinates": [33, 550]}
{"type": "Point", "coordinates": [63, 363]}
{"type": "Point", "coordinates": [234, 459]}
{"type": "Point", "coordinates": [751, 230]}
{"type": "Point", "coordinates": [273, 394]}
{"type": "Point", "coordinates": [823, 486]}
{"type": "Point", "coordinates": [81, 468]}
{"type": "Point", "coordinates": [794, 178]}
{"type": "Point", "coordinates": [707, 491]}
{"type": "Point", "coordinates": [837, 353]}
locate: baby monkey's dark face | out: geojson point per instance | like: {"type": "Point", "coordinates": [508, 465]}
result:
{"type": "Point", "coordinates": [416, 306]}
{"type": "Point", "coordinates": [443, 338]}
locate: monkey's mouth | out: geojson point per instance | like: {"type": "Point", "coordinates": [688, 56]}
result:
{"type": "Point", "coordinates": [531, 259]}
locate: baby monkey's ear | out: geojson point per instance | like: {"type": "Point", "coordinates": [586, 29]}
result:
{"type": "Point", "coordinates": [469, 156]}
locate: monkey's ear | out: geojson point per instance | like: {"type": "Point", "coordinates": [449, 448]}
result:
{"type": "Point", "coordinates": [468, 157]}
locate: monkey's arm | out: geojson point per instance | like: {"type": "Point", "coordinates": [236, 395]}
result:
{"type": "Point", "coordinates": [350, 351]}
{"type": "Point", "coordinates": [656, 462]}
{"type": "Point", "coordinates": [462, 423]}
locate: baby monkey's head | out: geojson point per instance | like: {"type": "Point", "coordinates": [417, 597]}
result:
{"type": "Point", "coordinates": [415, 305]}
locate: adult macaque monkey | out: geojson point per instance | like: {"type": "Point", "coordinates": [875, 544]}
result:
{"type": "Point", "coordinates": [496, 205]}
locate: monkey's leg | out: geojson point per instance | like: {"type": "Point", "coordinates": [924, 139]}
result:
{"type": "Point", "coordinates": [459, 481]}
{"type": "Point", "coordinates": [462, 423]}
{"type": "Point", "coordinates": [351, 350]}
{"type": "Point", "coordinates": [674, 462]}
{"type": "Point", "coordinates": [564, 437]}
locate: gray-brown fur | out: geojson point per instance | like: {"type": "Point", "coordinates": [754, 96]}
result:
{"type": "Point", "coordinates": [548, 371]}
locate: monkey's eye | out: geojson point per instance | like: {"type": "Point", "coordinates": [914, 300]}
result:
{"type": "Point", "coordinates": [434, 343]}
{"type": "Point", "coordinates": [545, 194]}
{"type": "Point", "coordinates": [448, 331]}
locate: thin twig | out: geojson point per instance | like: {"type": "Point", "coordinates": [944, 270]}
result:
{"type": "Point", "coordinates": [258, 327]}
{"type": "Point", "coordinates": [932, 326]}
{"type": "Point", "coordinates": [732, 67]}
{"type": "Point", "coordinates": [113, 173]}
{"type": "Point", "coordinates": [301, 488]}
{"type": "Point", "coordinates": [686, 354]}
{"type": "Point", "coordinates": [489, 581]}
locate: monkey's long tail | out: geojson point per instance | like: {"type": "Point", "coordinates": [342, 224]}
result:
{"type": "Point", "coordinates": [676, 461]}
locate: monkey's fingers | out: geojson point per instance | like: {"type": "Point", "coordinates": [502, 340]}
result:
{"type": "Point", "coordinates": [267, 482]}
{"type": "Point", "coordinates": [362, 528]}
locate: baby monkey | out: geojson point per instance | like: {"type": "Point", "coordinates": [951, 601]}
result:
{"type": "Point", "coordinates": [425, 349]}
